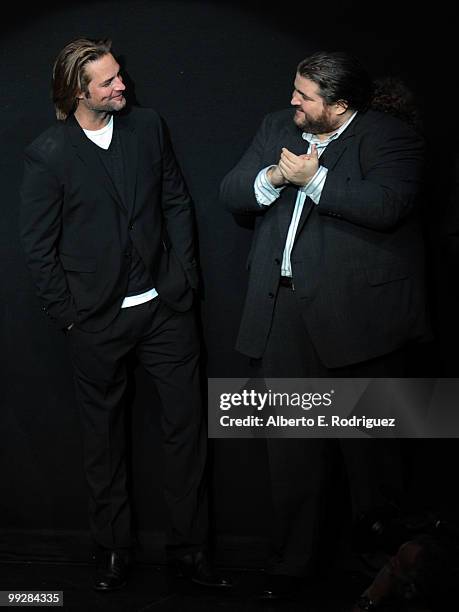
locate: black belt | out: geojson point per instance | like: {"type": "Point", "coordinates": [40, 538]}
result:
{"type": "Point", "coordinates": [286, 281]}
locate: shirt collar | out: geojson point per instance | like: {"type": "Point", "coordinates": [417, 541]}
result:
{"type": "Point", "coordinates": [312, 138]}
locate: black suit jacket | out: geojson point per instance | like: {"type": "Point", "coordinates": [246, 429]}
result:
{"type": "Point", "coordinates": [77, 232]}
{"type": "Point", "coordinates": [358, 259]}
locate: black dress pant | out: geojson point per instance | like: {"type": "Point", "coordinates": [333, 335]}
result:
{"type": "Point", "coordinates": [167, 345]}
{"type": "Point", "coordinates": [299, 467]}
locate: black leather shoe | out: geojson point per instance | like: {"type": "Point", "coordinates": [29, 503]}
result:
{"type": "Point", "coordinates": [112, 572]}
{"type": "Point", "coordinates": [279, 587]}
{"type": "Point", "coordinates": [196, 567]}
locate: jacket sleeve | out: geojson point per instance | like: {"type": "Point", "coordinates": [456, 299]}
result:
{"type": "Point", "coordinates": [177, 209]}
{"type": "Point", "coordinates": [385, 192]}
{"type": "Point", "coordinates": [237, 191]}
{"type": "Point", "coordinates": [40, 226]}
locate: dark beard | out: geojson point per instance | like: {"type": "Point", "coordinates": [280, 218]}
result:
{"type": "Point", "coordinates": [321, 125]}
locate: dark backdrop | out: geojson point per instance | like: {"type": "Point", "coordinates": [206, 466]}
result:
{"type": "Point", "coordinates": [212, 69]}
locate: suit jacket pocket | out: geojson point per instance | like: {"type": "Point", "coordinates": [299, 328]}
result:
{"type": "Point", "coordinates": [379, 275]}
{"type": "Point", "coordinates": [78, 264]}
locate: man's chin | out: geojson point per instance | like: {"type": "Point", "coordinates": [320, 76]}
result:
{"type": "Point", "coordinates": [298, 120]}
{"type": "Point", "coordinates": [118, 104]}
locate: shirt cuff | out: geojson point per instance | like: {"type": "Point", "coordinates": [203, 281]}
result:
{"type": "Point", "coordinates": [315, 186]}
{"type": "Point", "coordinates": [265, 192]}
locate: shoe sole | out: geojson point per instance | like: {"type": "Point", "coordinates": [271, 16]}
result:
{"type": "Point", "coordinates": [108, 589]}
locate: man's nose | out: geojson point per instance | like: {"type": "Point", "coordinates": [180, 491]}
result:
{"type": "Point", "coordinates": [119, 85]}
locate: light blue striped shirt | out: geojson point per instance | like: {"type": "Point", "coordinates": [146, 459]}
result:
{"type": "Point", "coordinates": [266, 193]}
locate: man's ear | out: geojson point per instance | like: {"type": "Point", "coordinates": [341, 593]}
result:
{"type": "Point", "coordinates": [341, 107]}
{"type": "Point", "coordinates": [80, 94]}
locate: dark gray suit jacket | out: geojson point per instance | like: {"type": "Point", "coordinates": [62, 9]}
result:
{"type": "Point", "coordinates": [77, 232]}
{"type": "Point", "coordinates": [358, 258]}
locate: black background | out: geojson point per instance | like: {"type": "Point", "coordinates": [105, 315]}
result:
{"type": "Point", "coordinates": [213, 70]}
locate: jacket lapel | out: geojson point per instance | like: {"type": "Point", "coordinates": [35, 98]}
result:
{"type": "Point", "coordinates": [329, 159]}
{"type": "Point", "coordinates": [87, 152]}
{"type": "Point", "coordinates": [130, 149]}
{"type": "Point", "coordinates": [333, 152]}
{"type": "Point", "coordinates": [336, 148]}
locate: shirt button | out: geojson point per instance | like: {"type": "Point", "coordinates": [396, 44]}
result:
{"type": "Point", "coordinates": [131, 227]}
{"type": "Point", "coordinates": [277, 261]}
{"type": "Point", "coordinates": [270, 295]}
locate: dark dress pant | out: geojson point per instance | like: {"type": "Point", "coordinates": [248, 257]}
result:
{"type": "Point", "coordinates": [166, 344]}
{"type": "Point", "coordinates": [299, 467]}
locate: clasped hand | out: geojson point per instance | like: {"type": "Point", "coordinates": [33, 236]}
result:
{"type": "Point", "coordinates": [298, 169]}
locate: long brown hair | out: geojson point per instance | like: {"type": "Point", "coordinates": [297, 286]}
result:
{"type": "Point", "coordinates": [69, 74]}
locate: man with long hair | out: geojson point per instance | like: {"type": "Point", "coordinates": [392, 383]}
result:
{"type": "Point", "coordinates": [107, 228]}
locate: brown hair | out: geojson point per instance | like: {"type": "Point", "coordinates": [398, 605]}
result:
{"type": "Point", "coordinates": [69, 74]}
